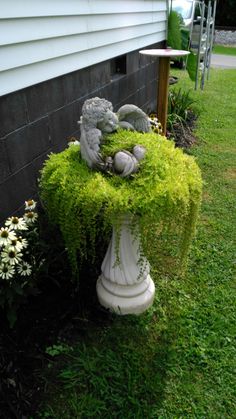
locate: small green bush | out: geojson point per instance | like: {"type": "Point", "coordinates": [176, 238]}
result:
{"type": "Point", "coordinates": [174, 39]}
{"type": "Point", "coordinates": [179, 106]}
{"type": "Point", "coordinates": [163, 197]}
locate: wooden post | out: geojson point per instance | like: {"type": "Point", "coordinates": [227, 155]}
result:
{"type": "Point", "coordinates": [162, 96]}
{"type": "Point", "coordinates": [164, 56]}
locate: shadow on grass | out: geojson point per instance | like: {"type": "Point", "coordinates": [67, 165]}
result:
{"type": "Point", "coordinates": [119, 371]}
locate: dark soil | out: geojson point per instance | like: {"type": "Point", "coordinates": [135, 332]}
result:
{"type": "Point", "coordinates": [182, 132]}
{"type": "Point", "coordinates": [51, 317]}
{"type": "Point", "coordinates": [22, 350]}
{"type": "Point", "coordinates": [56, 313]}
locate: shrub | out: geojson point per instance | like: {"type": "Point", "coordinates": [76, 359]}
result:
{"type": "Point", "coordinates": [174, 39]}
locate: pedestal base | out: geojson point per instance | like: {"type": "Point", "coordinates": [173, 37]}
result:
{"type": "Point", "coordinates": [126, 299]}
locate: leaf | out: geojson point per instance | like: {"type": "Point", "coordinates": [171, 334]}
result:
{"type": "Point", "coordinates": [192, 65]}
{"type": "Point", "coordinates": [185, 39]}
{"type": "Point", "coordinates": [174, 33]}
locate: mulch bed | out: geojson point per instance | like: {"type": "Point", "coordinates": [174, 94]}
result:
{"type": "Point", "coordinates": [182, 133]}
{"type": "Point", "coordinates": [54, 313]}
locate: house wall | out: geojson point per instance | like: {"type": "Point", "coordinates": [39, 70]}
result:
{"type": "Point", "coordinates": [48, 38]}
{"type": "Point", "coordinates": [42, 115]}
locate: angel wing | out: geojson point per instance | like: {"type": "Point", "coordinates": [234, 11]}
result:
{"type": "Point", "coordinates": [130, 116]}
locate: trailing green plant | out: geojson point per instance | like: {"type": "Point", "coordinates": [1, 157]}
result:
{"type": "Point", "coordinates": [19, 262]}
{"type": "Point", "coordinates": [163, 197]}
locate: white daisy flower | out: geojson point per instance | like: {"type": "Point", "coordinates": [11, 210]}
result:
{"type": "Point", "coordinates": [6, 271]}
{"type": "Point", "coordinates": [16, 223]}
{"type": "Point", "coordinates": [30, 205]}
{"type": "Point", "coordinates": [70, 143]}
{"type": "Point", "coordinates": [24, 269]}
{"type": "Point", "coordinates": [11, 256]}
{"type": "Point", "coordinates": [73, 141]}
{"type": "Point", "coordinates": [6, 235]}
{"type": "Point", "coordinates": [23, 242]}
{"type": "Point", "coordinates": [30, 217]}
{"type": "Point", "coordinates": [16, 245]}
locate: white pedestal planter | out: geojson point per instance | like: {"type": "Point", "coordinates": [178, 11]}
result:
{"type": "Point", "coordinates": [125, 287]}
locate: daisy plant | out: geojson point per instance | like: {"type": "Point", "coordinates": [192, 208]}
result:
{"type": "Point", "coordinates": [18, 263]}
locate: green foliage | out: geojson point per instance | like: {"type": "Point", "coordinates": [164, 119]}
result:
{"type": "Point", "coordinates": [163, 197]}
{"type": "Point", "coordinates": [179, 105]}
{"type": "Point", "coordinates": [192, 65]}
{"type": "Point", "coordinates": [99, 379]}
{"type": "Point", "coordinates": [185, 39]}
{"type": "Point", "coordinates": [174, 39]}
{"type": "Point", "coordinates": [58, 349]}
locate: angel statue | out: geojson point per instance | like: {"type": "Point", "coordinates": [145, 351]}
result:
{"type": "Point", "coordinates": [97, 119]}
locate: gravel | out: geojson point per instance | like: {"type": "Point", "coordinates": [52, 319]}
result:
{"type": "Point", "coordinates": [225, 38]}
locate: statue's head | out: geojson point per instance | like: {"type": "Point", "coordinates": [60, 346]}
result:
{"type": "Point", "coordinates": [97, 112]}
{"type": "Point", "coordinates": [108, 123]}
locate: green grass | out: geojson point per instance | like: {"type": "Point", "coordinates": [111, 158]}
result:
{"type": "Point", "coordinates": [178, 359]}
{"type": "Point", "coordinates": [220, 49]}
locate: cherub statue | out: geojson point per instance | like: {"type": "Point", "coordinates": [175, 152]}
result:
{"type": "Point", "coordinates": [97, 119]}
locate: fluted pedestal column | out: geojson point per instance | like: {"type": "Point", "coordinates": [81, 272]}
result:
{"type": "Point", "coordinates": [125, 286]}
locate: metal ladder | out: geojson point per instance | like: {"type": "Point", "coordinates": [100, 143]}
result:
{"type": "Point", "coordinates": [206, 38]}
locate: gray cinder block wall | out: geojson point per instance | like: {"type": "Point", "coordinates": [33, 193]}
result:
{"type": "Point", "coordinates": [40, 119]}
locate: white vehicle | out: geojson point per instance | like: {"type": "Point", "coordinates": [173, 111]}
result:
{"type": "Point", "coordinates": [191, 13]}
{"type": "Point", "coordinates": [188, 9]}
{"type": "Point", "coordinates": [198, 23]}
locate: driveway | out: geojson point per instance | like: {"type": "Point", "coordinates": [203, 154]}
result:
{"type": "Point", "coordinates": [223, 61]}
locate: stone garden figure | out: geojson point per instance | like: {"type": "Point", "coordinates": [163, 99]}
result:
{"type": "Point", "coordinates": [125, 287]}
{"type": "Point", "coordinates": [164, 195]}
{"type": "Point", "coordinates": [97, 119]}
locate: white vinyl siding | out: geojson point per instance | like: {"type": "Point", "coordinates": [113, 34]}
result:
{"type": "Point", "coordinates": [44, 39]}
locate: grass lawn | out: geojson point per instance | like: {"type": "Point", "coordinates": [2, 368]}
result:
{"type": "Point", "coordinates": [178, 359]}
{"type": "Point", "coordinates": [220, 49]}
